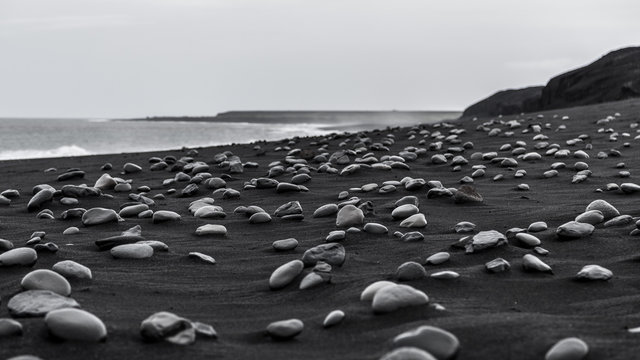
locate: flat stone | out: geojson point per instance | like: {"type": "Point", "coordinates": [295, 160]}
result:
{"type": "Point", "coordinates": [23, 256]}
{"type": "Point", "coordinates": [410, 271]}
{"type": "Point", "coordinates": [209, 212]}
{"type": "Point", "coordinates": [10, 327]}
{"type": "Point", "coordinates": [39, 199]}
{"type": "Point", "coordinates": [414, 221]}
{"type": "Point", "coordinates": [621, 220]}
{"type": "Point", "coordinates": [497, 265]}
{"type": "Point", "coordinates": [537, 226]}
{"type": "Point", "coordinates": [285, 274]}
{"type": "Point", "coordinates": [629, 188]}
{"type": "Point", "coordinates": [464, 227]}
{"type": "Point", "coordinates": [594, 272]}
{"type": "Point", "coordinates": [202, 257]}
{"type": "Point", "coordinates": [314, 279]}
{"type": "Point", "coordinates": [438, 258]}
{"type": "Point", "coordinates": [132, 251]}
{"type": "Point", "coordinates": [528, 239]}
{"type": "Point", "coordinates": [336, 235]}
{"type": "Point", "coordinates": [211, 229]}
{"type": "Point", "coordinates": [290, 208]}
{"type": "Point", "coordinates": [130, 168]}
{"type": "Point", "coordinates": [574, 230]}
{"type": "Point", "coordinates": [331, 253]}
{"type": "Point", "coordinates": [165, 215]}
{"type": "Point", "coordinates": [348, 216]}
{"type": "Point", "coordinates": [38, 303]}
{"type": "Point", "coordinates": [369, 292]}
{"type": "Point", "coordinates": [408, 353]}
{"type": "Point", "coordinates": [334, 318]}
{"type": "Point", "coordinates": [285, 244]}
{"type": "Point", "coordinates": [72, 230]}
{"type": "Point", "coordinates": [285, 329]}
{"type": "Point", "coordinates": [404, 211]}
{"type": "Point", "coordinates": [76, 325]}
{"type": "Point", "coordinates": [162, 325]}
{"type": "Point", "coordinates": [434, 340]}
{"type": "Point", "coordinates": [375, 228]}
{"type": "Point", "coordinates": [325, 210]}
{"type": "Point", "coordinates": [592, 217]}
{"type": "Point", "coordinates": [133, 210]}
{"type": "Point", "coordinates": [568, 349]}
{"type": "Point", "coordinates": [607, 210]}
{"type": "Point", "coordinates": [467, 194]}
{"type": "Point", "coordinates": [484, 240]}
{"type": "Point", "coordinates": [260, 218]}
{"type": "Point", "coordinates": [412, 236]}
{"type": "Point", "coordinates": [532, 263]}
{"type": "Point", "coordinates": [97, 216]}
{"type": "Point", "coordinates": [392, 298]}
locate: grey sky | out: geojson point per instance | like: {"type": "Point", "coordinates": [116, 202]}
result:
{"type": "Point", "coordinates": [126, 58]}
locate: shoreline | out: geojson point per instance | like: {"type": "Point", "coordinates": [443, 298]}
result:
{"type": "Point", "coordinates": [515, 314]}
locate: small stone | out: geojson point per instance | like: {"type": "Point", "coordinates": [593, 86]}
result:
{"type": "Point", "coordinates": [72, 230]}
{"type": "Point", "coordinates": [20, 256]}
{"type": "Point", "coordinates": [290, 208]}
{"type": "Point", "coordinates": [369, 292]}
{"type": "Point", "coordinates": [497, 265]}
{"type": "Point", "coordinates": [285, 329]}
{"type": "Point", "coordinates": [130, 168]}
{"type": "Point", "coordinates": [438, 258]}
{"type": "Point", "coordinates": [594, 272]}
{"type": "Point", "coordinates": [375, 228]}
{"type": "Point", "coordinates": [404, 211]}
{"type": "Point", "coordinates": [331, 253]}
{"type": "Point", "coordinates": [97, 216]}
{"type": "Point", "coordinates": [202, 257]}
{"type": "Point", "coordinates": [285, 274]}
{"type": "Point", "coordinates": [260, 218]}
{"type": "Point", "coordinates": [436, 341]}
{"type": "Point", "coordinates": [211, 229]}
{"type": "Point", "coordinates": [607, 210]}
{"type": "Point", "coordinates": [38, 303]}
{"type": "Point", "coordinates": [132, 251]}
{"type": "Point", "coordinates": [162, 325]}
{"type": "Point", "coordinates": [393, 297]}
{"type": "Point", "coordinates": [412, 236]}
{"type": "Point", "coordinates": [414, 221]}
{"type": "Point", "coordinates": [537, 226]}
{"type": "Point", "coordinates": [568, 349]}
{"type": "Point", "coordinates": [10, 327]}
{"type": "Point", "coordinates": [410, 271]}
{"type": "Point", "coordinates": [464, 227]}
{"type": "Point", "coordinates": [528, 239]}
{"type": "Point", "coordinates": [336, 235]}
{"type": "Point", "coordinates": [348, 216]}
{"type": "Point", "coordinates": [592, 217]}
{"type": "Point", "coordinates": [484, 240]}
{"type": "Point", "coordinates": [532, 263]}
{"type": "Point", "coordinates": [325, 210]}
{"type": "Point", "coordinates": [75, 324]}
{"type": "Point", "coordinates": [621, 220]}
{"type": "Point", "coordinates": [71, 269]}
{"type": "Point", "coordinates": [574, 230]}
{"type": "Point", "coordinates": [285, 244]}
{"type": "Point", "coordinates": [314, 279]}
{"type": "Point", "coordinates": [333, 318]}
{"type": "Point", "coordinates": [165, 215]}
{"type": "Point", "coordinates": [408, 353]}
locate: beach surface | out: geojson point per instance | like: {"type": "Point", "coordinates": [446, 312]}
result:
{"type": "Point", "coordinates": [515, 314]}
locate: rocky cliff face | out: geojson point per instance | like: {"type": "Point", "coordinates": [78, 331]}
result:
{"type": "Point", "coordinates": [615, 76]}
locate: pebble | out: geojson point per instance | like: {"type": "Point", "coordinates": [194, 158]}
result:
{"type": "Point", "coordinates": [290, 208]}
{"type": "Point", "coordinates": [132, 251]}
{"type": "Point", "coordinates": [19, 256]}
{"type": "Point", "coordinates": [325, 210]}
{"type": "Point", "coordinates": [574, 230]}
{"type": "Point", "coordinates": [629, 188]}
{"type": "Point", "coordinates": [133, 210]}
{"type": "Point", "coordinates": [331, 253]}
{"type": "Point", "coordinates": [285, 274]}
{"type": "Point", "coordinates": [497, 265]}
{"type": "Point", "coordinates": [333, 318]}
{"type": "Point", "coordinates": [607, 210]}
{"type": "Point", "coordinates": [484, 240]}
{"type": "Point", "coordinates": [434, 340]}
{"type": "Point", "coordinates": [404, 211]}
{"type": "Point", "coordinates": [285, 329]}
{"type": "Point", "coordinates": [10, 327]}
{"type": "Point", "coordinates": [410, 271]}
{"type": "Point", "coordinates": [285, 244]}
{"type": "Point", "coordinates": [161, 325]}
{"type": "Point", "coordinates": [532, 263]}
{"type": "Point", "coordinates": [72, 230]}
{"type": "Point", "coordinates": [130, 168]}
{"type": "Point", "coordinates": [369, 292]}
{"type": "Point", "coordinates": [464, 227]}
{"type": "Point", "coordinates": [165, 215]}
{"type": "Point", "coordinates": [393, 297]}
{"type": "Point", "coordinates": [348, 216]}
{"type": "Point", "coordinates": [594, 272]}
{"type": "Point", "coordinates": [408, 353]}
{"type": "Point", "coordinates": [568, 349]}
{"type": "Point", "coordinates": [414, 221]}
{"type": "Point", "coordinates": [260, 218]}
{"type": "Point", "coordinates": [39, 199]}
{"type": "Point", "coordinates": [528, 239]}
{"type": "Point", "coordinates": [211, 229]}
{"type": "Point", "coordinates": [445, 275]}
{"type": "Point", "coordinates": [202, 257]}
{"type": "Point", "coordinates": [336, 235]}
{"type": "Point", "coordinates": [97, 216]}
{"type": "Point", "coordinates": [438, 258]}
{"type": "Point", "coordinates": [71, 269]}
{"type": "Point", "coordinates": [38, 303]}
{"type": "Point", "coordinates": [537, 226]}
{"type": "Point", "coordinates": [621, 220]}
{"type": "Point", "coordinates": [155, 244]}
{"type": "Point", "coordinates": [314, 279]}
{"type": "Point", "coordinates": [375, 228]}
{"type": "Point", "coordinates": [75, 324]}
{"type": "Point", "coordinates": [592, 217]}
{"type": "Point", "coordinates": [412, 236]}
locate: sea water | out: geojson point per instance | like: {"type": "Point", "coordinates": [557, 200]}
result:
{"type": "Point", "coordinates": [40, 138]}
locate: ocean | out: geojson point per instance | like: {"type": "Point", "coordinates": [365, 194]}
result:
{"type": "Point", "coordinates": [41, 138]}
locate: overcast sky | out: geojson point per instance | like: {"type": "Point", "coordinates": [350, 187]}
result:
{"type": "Point", "coordinates": [130, 58]}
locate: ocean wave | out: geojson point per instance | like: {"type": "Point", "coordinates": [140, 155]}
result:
{"type": "Point", "coordinates": [62, 151]}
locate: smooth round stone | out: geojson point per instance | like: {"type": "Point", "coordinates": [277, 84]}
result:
{"type": "Point", "coordinates": [410, 271]}
{"type": "Point", "coordinates": [408, 353]}
{"type": "Point", "coordinates": [5, 245]}
{"type": "Point", "coordinates": [38, 303]}
{"type": "Point", "coordinates": [72, 230]}
{"type": "Point", "coordinates": [132, 251]}
{"type": "Point", "coordinates": [414, 221]}
{"type": "Point", "coordinates": [592, 217]}
{"type": "Point", "coordinates": [259, 218]}
{"type": "Point", "coordinates": [464, 227]}
{"type": "Point", "coordinates": [209, 212]}
{"type": "Point", "coordinates": [404, 211]}
{"type": "Point", "coordinates": [155, 244]}
{"type": "Point", "coordinates": [39, 199]}
{"type": "Point", "coordinates": [133, 210]}
{"type": "Point", "coordinates": [412, 236]}
{"type": "Point", "coordinates": [122, 187]}
{"type": "Point", "coordinates": [145, 214]}
{"type": "Point", "coordinates": [43, 279]}
{"type": "Point", "coordinates": [537, 226]}
{"type": "Point", "coordinates": [523, 187]}
{"type": "Point", "coordinates": [607, 210]}
{"type": "Point", "coordinates": [438, 258]}
{"type": "Point", "coordinates": [532, 263]}
{"type": "Point", "coordinates": [528, 239]}
{"type": "Point", "coordinates": [130, 168]}
{"type": "Point", "coordinates": [202, 257]}
{"type": "Point", "coordinates": [333, 318]}
{"type": "Point", "coordinates": [331, 253]}
{"type": "Point", "coordinates": [438, 159]}
{"type": "Point", "coordinates": [375, 228]}
{"type": "Point", "coordinates": [445, 275]}
{"type": "Point", "coordinates": [211, 229]}
{"type": "Point", "coordinates": [285, 274]}
{"type": "Point", "coordinates": [314, 279]}
{"type": "Point", "coordinates": [369, 292]}
{"type": "Point", "coordinates": [97, 216]}
{"type": "Point", "coordinates": [20, 256]}
{"type": "Point", "coordinates": [497, 265]}
{"type": "Point", "coordinates": [285, 329]}
{"type": "Point", "coordinates": [434, 340]}
{"type": "Point", "coordinates": [285, 244]}
{"type": "Point", "coordinates": [574, 230]}
{"type": "Point", "coordinates": [348, 216]}
{"type": "Point", "coordinates": [165, 215]}
{"type": "Point", "coordinates": [391, 298]}
{"type": "Point", "coordinates": [629, 188]}
{"type": "Point", "coordinates": [72, 269]}
{"type": "Point", "coordinates": [486, 239]}
{"type": "Point", "coordinates": [568, 349]}
{"type": "Point", "coordinates": [541, 251]}
{"type": "Point", "coordinates": [69, 201]}
{"type": "Point", "coordinates": [10, 327]}
{"type": "Point", "coordinates": [621, 220]}
{"type": "Point", "coordinates": [300, 179]}
{"type": "Point", "coordinates": [75, 324]}
{"type": "Point", "coordinates": [594, 272]}
{"type": "Point", "coordinates": [386, 189]}
{"type": "Point", "coordinates": [325, 210]}
{"type": "Point", "coordinates": [336, 235]}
